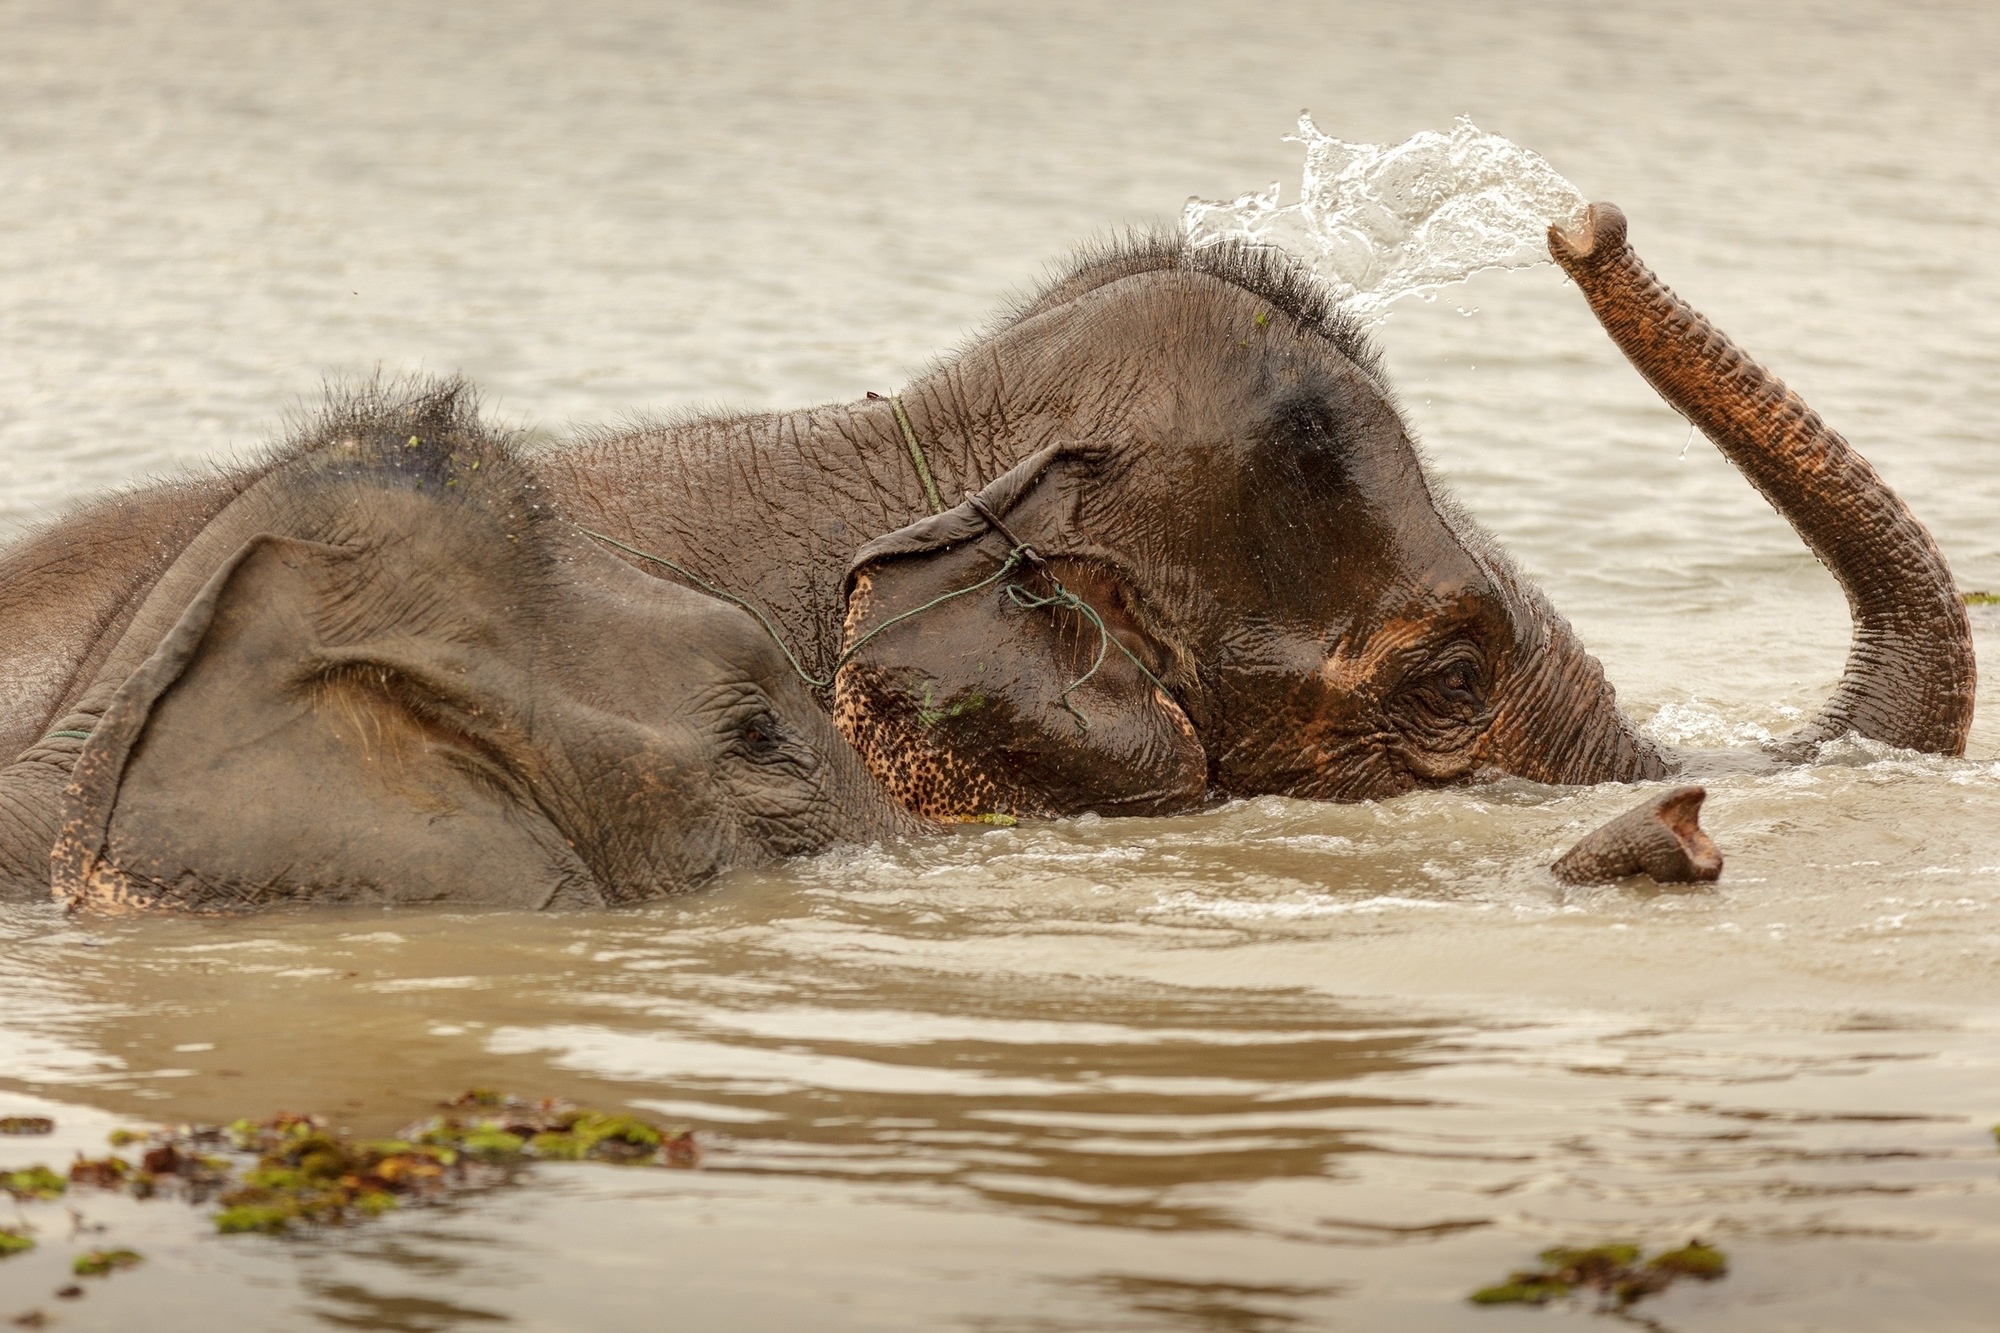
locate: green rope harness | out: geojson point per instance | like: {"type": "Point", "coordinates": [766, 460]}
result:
{"type": "Point", "coordinates": [1020, 596]}
{"type": "Point", "coordinates": [1106, 640]}
{"type": "Point", "coordinates": [917, 454]}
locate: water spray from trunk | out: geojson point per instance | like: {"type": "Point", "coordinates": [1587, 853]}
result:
{"type": "Point", "coordinates": [1379, 222]}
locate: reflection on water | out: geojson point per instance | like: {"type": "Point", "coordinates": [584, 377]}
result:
{"type": "Point", "coordinates": [1272, 1067]}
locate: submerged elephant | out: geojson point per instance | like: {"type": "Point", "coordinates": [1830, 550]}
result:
{"type": "Point", "coordinates": [1199, 556]}
{"type": "Point", "coordinates": [386, 672]}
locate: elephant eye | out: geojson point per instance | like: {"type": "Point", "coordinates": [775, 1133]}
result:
{"type": "Point", "coordinates": [763, 740]}
{"type": "Point", "coordinates": [1452, 686]}
{"type": "Point", "coordinates": [759, 734]}
{"type": "Point", "coordinates": [1458, 679]}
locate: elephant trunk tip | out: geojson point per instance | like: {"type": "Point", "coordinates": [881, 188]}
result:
{"type": "Point", "coordinates": [1661, 837]}
{"type": "Point", "coordinates": [1599, 236]}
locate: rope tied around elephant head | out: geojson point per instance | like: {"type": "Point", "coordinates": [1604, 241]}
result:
{"type": "Point", "coordinates": [1019, 554]}
{"type": "Point", "coordinates": [1064, 598]}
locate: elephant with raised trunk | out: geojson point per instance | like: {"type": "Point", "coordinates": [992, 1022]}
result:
{"type": "Point", "coordinates": [386, 672]}
{"type": "Point", "coordinates": [1199, 554]}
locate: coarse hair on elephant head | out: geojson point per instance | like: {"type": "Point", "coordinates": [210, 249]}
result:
{"type": "Point", "coordinates": [388, 673]}
{"type": "Point", "coordinates": [1217, 566]}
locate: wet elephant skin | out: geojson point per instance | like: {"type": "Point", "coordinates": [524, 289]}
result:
{"type": "Point", "coordinates": [1207, 454]}
{"type": "Point", "coordinates": [388, 673]}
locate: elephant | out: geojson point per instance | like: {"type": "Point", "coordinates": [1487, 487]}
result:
{"type": "Point", "coordinates": [429, 689]}
{"type": "Point", "coordinates": [1159, 536]}
{"type": "Point", "coordinates": [1198, 554]}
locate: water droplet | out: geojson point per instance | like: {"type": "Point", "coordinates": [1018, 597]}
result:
{"type": "Point", "coordinates": [1689, 442]}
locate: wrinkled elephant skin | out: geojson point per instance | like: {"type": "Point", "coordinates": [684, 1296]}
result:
{"type": "Point", "coordinates": [386, 672]}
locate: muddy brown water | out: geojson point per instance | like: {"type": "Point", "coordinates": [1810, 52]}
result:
{"type": "Point", "coordinates": [1275, 1066]}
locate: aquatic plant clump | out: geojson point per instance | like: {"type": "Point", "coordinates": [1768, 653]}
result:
{"type": "Point", "coordinates": [100, 1263]}
{"type": "Point", "coordinates": [305, 1174]}
{"type": "Point", "coordinates": [289, 1171]}
{"type": "Point", "coordinates": [493, 1127]}
{"type": "Point", "coordinates": [34, 1182]}
{"type": "Point", "coordinates": [1615, 1272]}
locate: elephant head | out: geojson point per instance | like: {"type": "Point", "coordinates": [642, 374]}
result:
{"type": "Point", "coordinates": [388, 673]}
{"type": "Point", "coordinates": [1224, 570]}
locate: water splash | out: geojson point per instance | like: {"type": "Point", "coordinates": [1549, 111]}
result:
{"type": "Point", "coordinates": [1379, 222]}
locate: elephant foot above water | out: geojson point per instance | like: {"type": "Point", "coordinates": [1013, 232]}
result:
{"type": "Point", "coordinates": [1661, 837]}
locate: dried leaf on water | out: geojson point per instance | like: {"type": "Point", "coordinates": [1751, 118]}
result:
{"type": "Point", "coordinates": [103, 1173]}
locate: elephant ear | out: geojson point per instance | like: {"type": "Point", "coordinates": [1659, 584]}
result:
{"type": "Point", "coordinates": [986, 680]}
{"type": "Point", "coordinates": [249, 761]}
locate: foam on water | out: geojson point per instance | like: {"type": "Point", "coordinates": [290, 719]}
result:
{"type": "Point", "coordinates": [1379, 222]}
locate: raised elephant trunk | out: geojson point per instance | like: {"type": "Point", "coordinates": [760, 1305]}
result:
{"type": "Point", "coordinates": [1910, 672]}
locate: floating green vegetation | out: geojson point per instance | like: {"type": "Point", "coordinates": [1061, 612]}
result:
{"type": "Point", "coordinates": [1981, 598]}
{"type": "Point", "coordinates": [26, 1124]}
{"type": "Point", "coordinates": [34, 1182]}
{"type": "Point", "coordinates": [1615, 1272]}
{"type": "Point", "coordinates": [290, 1171]}
{"type": "Point", "coordinates": [98, 1263]}
{"type": "Point", "coordinates": [13, 1241]}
